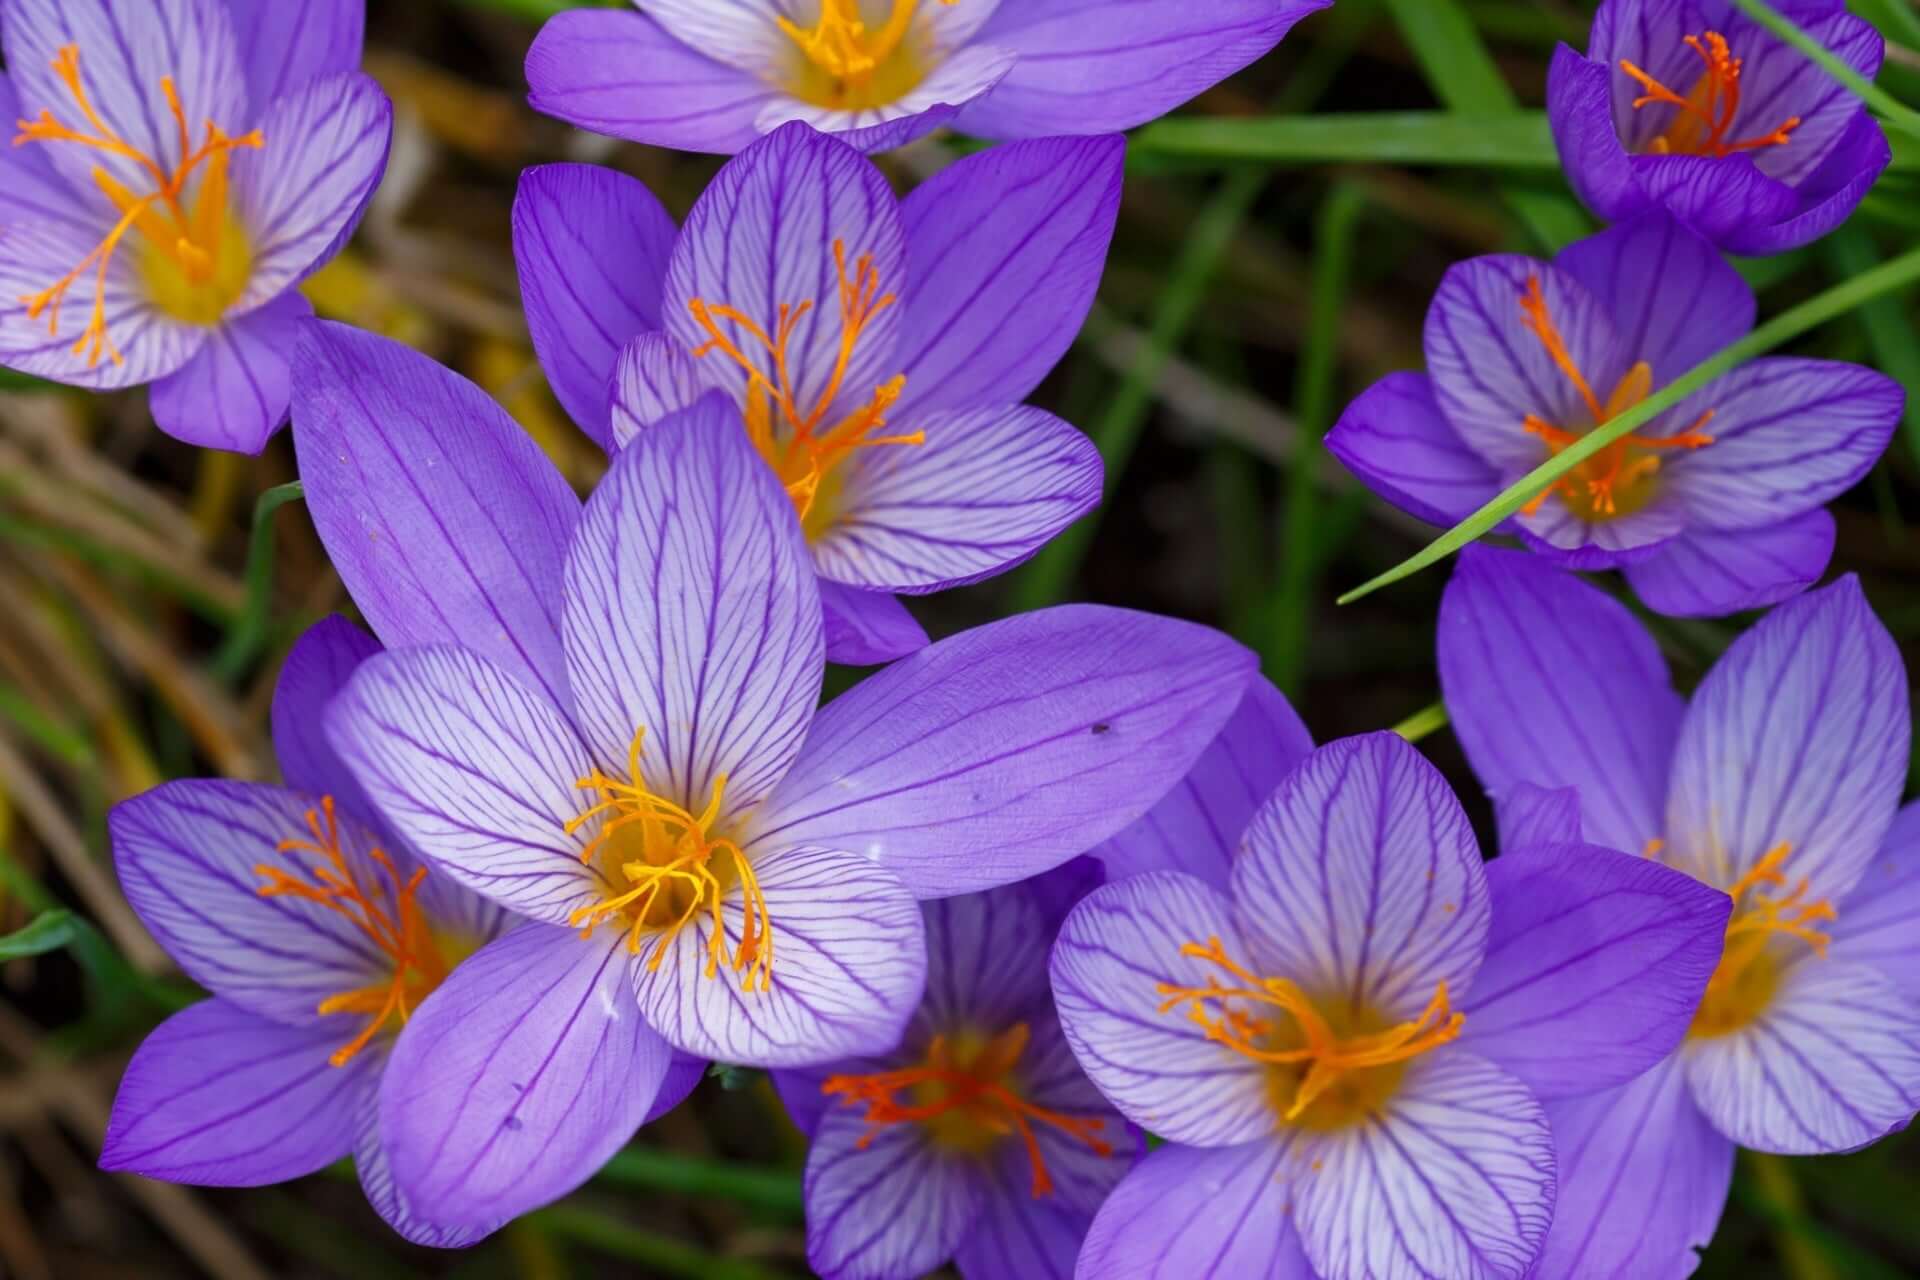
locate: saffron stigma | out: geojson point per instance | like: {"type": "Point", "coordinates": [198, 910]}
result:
{"type": "Point", "coordinates": [388, 914]}
{"type": "Point", "coordinates": [1618, 479]}
{"type": "Point", "coordinates": [675, 867]}
{"type": "Point", "coordinates": [795, 445]}
{"type": "Point", "coordinates": [849, 65]}
{"type": "Point", "coordinates": [1743, 983]}
{"type": "Point", "coordinates": [962, 1097]}
{"type": "Point", "coordinates": [1705, 116]}
{"type": "Point", "coordinates": [206, 255]}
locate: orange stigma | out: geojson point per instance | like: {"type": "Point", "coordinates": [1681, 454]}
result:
{"type": "Point", "coordinates": [1743, 983]}
{"type": "Point", "coordinates": [673, 867]}
{"type": "Point", "coordinates": [1703, 118]}
{"type": "Point", "coordinates": [1618, 480]}
{"type": "Point", "coordinates": [848, 65]}
{"type": "Point", "coordinates": [386, 911]}
{"type": "Point", "coordinates": [1308, 1040]}
{"type": "Point", "coordinates": [197, 262]}
{"type": "Point", "coordinates": [963, 1097]}
{"type": "Point", "coordinates": [794, 438]}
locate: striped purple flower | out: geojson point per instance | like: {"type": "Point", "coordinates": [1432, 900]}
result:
{"type": "Point", "coordinates": [1777, 783]}
{"type": "Point", "coordinates": [180, 166]}
{"type": "Point", "coordinates": [1715, 506]}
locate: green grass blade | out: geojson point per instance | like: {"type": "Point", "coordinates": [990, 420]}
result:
{"type": "Point", "coordinates": [49, 931]}
{"type": "Point", "coordinates": [249, 632]}
{"type": "Point", "coordinates": [652, 1169]}
{"type": "Point", "coordinates": [1521, 140]}
{"type": "Point", "coordinates": [1427, 720]}
{"type": "Point", "coordinates": [1896, 347]}
{"type": "Point", "coordinates": [1458, 66]}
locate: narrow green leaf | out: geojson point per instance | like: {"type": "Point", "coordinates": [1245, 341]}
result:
{"type": "Point", "coordinates": [249, 632]}
{"type": "Point", "coordinates": [1521, 141]}
{"type": "Point", "coordinates": [49, 931]}
{"type": "Point", "coordinates": [1896, 347]}
{"type": "Point", "coordinates": [649, 1168]}
{"type": "Point", "coordinates": [660, 1255]}
{"type": "Point", "coordinates": [1423, 722]}
{"type": "Point", "coordinates": [1461, 71]}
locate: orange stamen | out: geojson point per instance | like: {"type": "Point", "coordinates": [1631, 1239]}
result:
{"type": "Point", "coordinates": [1758, 918]}
{"type": "Point", "coordinates": [840, 43]}
{"type": "Point", "coordinates": [1704, 118]}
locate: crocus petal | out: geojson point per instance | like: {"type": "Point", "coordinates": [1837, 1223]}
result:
{"type": "Point", "coordinates": [444, 519]}
{"type": "Point", "coordinates": [189, 852]}
{"type": "Point", "coordinates": [1643, 1178]}
{"type": "Point", "coordinates": [1716, 196]}
{"type": "Point", "coordinates": [849, 965]}
{"type": "Point", "coordinates": [1709, 573]}
{"type": "Point", "coordinates": [1094, 66]}
{"type": "Point", "coordinates": [384, 1194]}
{"type": "Point", "coordinates": [517, 1079]}
{"type": "Point", "coordinates": [1798, 737]}
{"type": "Point", "coordinates": [1197, 827]}
{"type": "Point", "coordinates": [220, 1097]}
{"type": "Point", "coordinates": [1831, 1064]}
{"type": "Point", "coordinates": [1876, 924]}
{"type": "Point", "coordinates": [1638, 268]}
{"type": "Point", "coordinates": [1570, 540]}
{"type": "Point", "coordinates": [31, 189]}
{"type": "Point", "coordinates": [1595, 965]}
{"type": "Point", "coordinates": [867, 628]}
{"type": "Point", "coordinates": [1187, 1212]}
{"type": "Point", "coordinates": [763, 235]}
{"type": "Point", "coordinates": [691, 615]}
{"type": "Point", "coordinates": [1778, 81]}
{"type": "Point", "coordinates": [1361, 876]}
{"type": "Point", "coordinates": [986, 959]}
{"type": "Point", "coordinates": [964, 76]}
{"type": "Point", "coordinates": [1460, 1161]}
{"type": "Point", "coordinates": [283, 46]}
{"type": "Point", "coordinates": [318, 666]}
{"type": "Point", "coordinates": [1396, 440]}
{"type": "Point", "coordinates": [987, 314]}
{"type": "Point", "coordinates": [1550, 682]}
{"type": "Point", "coordinates": [474, 772]}
{"type": "Point", "coordinates": [300, 200]}
{"type": "Point", "coordinates": [1579, 97]}
{"type": "Point", "coordinates": [887, 1205]}
{"type": "Point", "coordinates": [1017, 1236]}
{"type": "Point", "coordinates": [621, 74]}
{"type": "Point", "coordinates": [740, 33]}
{"type": "Point", "coordinates": [1115, 952]}
{"type": "Point", "coordinates": [1537, 815]}
{"type": "Point", "coordinates": [987, 489]}
{"type": "Point", "coordinates": [591, 246]}
{"type": "Point", "coordinates": [654, 378]}
{"type": "Point", "coordinates": [1093, 714]}
{"type": "Point", "coordinates": [233, 393]}
{"type": "Point", "coordinates": [1827, 198]}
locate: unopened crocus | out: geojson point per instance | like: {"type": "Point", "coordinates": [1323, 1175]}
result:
{"type": "Point", "coordinates": [605, 721]}
{"type": "Point", "coordinates": [977, 1139]}
{"type": "Point", "coordinates": [179, 167]}
{"type": "Point", "coordinates": [1694, 107]}
{"type": "Point", "coordinates": [698, 75]}
{"type": "Point", "coordinates": [876, 350]}
{"type": "Point", "coordinates": [1346, 1035]}
{"type": "Point", "coordinates": [1777, 784]}
{"type": "Point", "coordinates": [1714, 506]}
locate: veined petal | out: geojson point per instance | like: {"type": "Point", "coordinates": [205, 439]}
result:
{"type": "Point", "coordinates": [1187, 1212]}
{"type": "Point", "coordinates": [1827, 197]}
{"type": "Point", "coordinates": [284, 47]}
{"type": "Point", "coordinates": [1876, 924]}
{"type": "Point", "coordinates": [1579, 97]}
{"type": "Point", "coordinates": [1399, 444]}
{"type": "Point", "coordinates": [986, 960]}
{"type": "Point", "coordinates": [1535, 815]}
{"type": "Point", "coordinates": [1082, 1176]}
{"type": "Point", "coordinates": [318, 667]}
{"type": "Point", "coordinates": [654, 378]}
{"type": "Point", "coordinates": [31, 189]}
{"type": "Point", "coordinates": [384, 1194]}
{"type": "Point", "coordinates": [740, 33]}
{"type": "Point", "coordinates": [1673, 299]}
{"type": "Point", "coordinates": [867, 628]}
{"type": "Point", "coordinates": [891, 1206]}
{"type": "Point", "coordinates": [1718, 196]}
{"type": "Point", "coordinates": [1777, 81]}
{"type": "Point", "coordinates": [1708, 573]}
{"type": "Point", "coordinates": [233, 394]}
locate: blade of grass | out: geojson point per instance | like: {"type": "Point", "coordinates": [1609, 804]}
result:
{"type": "Point", "coordinates": [1425, 721]}
{"type": "Point", "coordinates": [49, 931]}
{"type": "Point", "coordinates": [661, 1255]}
{"type": "Point", "coordinates": [1522, 140]}
{"type": "Point", "coordinates": [46, 733]}
{"type": "Point", "coordinates": [248, 634]}
{"type": "Point", "coordinates": [1888, 278]}
{"type": "Point", "coordinates": [1896, 19]}
{"type": "Point", "coordinates": [651, 1169]}
{"type": "Point", "coordinates": [1896, 347]}
{"type": "Point", "coordinates": [1894, 113]}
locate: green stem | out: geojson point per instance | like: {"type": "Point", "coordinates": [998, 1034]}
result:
{"type": "Point", "coordinates": [1888, 278]}
{"type": "Point", "coordinates": [660, 1255]}
{"type": "Point", "coordinates": [1773, 1180]}
{"type": "Point", "coordinates": [651, 1169]}
{"type": "Point", "coordinates": [249, 633]}
{"type": "Point", "coordinates": [1892, 110]}
{"type": "Point", "coordinates": [1425, 721]}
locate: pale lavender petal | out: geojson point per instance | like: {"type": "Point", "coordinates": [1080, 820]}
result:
{"type": "Point", "coordinates": [740, 33]}
{"type": "Point", "coordinates": [885, 1208]}
{"type": "Point", "coordinates": [1190, 1212]}
{"type": "Point", "coordinates": [1537, 815]}
{"type": "Point", "coordinates": [1567, 538]}
{"type": "Point", "coordinates": [1396, 440]}
{"type": "Point", "coordinates": [1709, 573]}
{"type": "Point", "coordinates": [31, 190]}
{"type": "Point", "coordinates": [867, 628]}
{"type": "Point", "coordinates": [1878, 920]}
{"type": "Point", "coordinates": [384, 1194]}
{"type": "Point", "coordinates": [962, 77]}
{"type": "Point", "coordinates": [1637, 268]}
{"type": "Point", "coordinates": [233, 394]}
{"type": "Point", "coordinates": [284, 46]}
{"type": "Point", "coordinates": [654, 378]}
{"type": "Point", "coordinates": [318, 666]}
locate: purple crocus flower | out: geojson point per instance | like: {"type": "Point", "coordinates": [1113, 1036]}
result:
{"type": "Point", "coordinates": [1346, 1033]}
{"type": "Point", "coordinates": [180, 166]}
{"type": "Point", "coordinates": [605, 721]}
{"type": "Point", "coordinates": [712, 75]}
{"type": "Point", "coordinates": [1715, 506]}
{"type": "Point", "coordinates": [1693, 107]}
{"type": "Point", "coordinates": [877, 350]}
{"type": "Point", "coordinates": [977, 1139]}
{"type": "Point", "coordinates": [1776, 784]}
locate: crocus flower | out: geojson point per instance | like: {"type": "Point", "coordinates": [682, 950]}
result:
{"type": "Point", "coordinates": [1777, 784]}
{"type": "Point", "coordinates": [1346, 1033]}
{"type": "Point", "coordinates": [1716, 505]}
{"type": "Point", "coordinates": [876, 350]}
{"type": "Point", "coordinates": [605, 721]}
{"type": "Point", "coordinates": [1693, 107]}
{"type": "Point", "coordinates": [977, 1139]}
{"type": "Point", "coordinates": [180, 166]}
{"type": "Point", "coordinates": [698, 75]}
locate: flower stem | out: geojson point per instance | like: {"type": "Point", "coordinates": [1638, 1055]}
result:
{"type": "Point", "coordinates": [1423, 722]}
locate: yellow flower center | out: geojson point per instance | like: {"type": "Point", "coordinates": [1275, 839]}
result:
{"type": "Point", "coordinates": [1704, 117]}
{"type": "Point", "coordinates": [848, 65]}
{"type": "Point", "coordinates": [1762, 926]}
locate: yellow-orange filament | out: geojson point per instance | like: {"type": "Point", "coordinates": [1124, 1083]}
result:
{"type": "Point", "coordinates": [843, 46]}
{"type": "Point", "coordinates": [1703, 119]}
{"type": "Point", "coordinates": [1616, 480]}
{"type": "Point", "coordinates": [187, 232]}
{"type": "Point", "coordinates": [1325, 1055]}
{"type": "Point", "coordinates": [674, 867]}
{"type": "Point", "coordinates": [1759, 917]}
{"type": "Point", "coordinates": [385, 910]}
{"type": "Point", "coordinates": [965, 1100]}
{"type": "Point", "coordinates": [793, 437]}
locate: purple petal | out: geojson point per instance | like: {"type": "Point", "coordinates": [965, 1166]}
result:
{"type": "Point", "coordinates": [740, 33]}
{"type": "Point", "coordinates": [1003, 751]}
{"type": "Point", "coordinates": [1360, 878]}
{"type": "Point", "coordinates": [1637, 268]}
{"type": "Point", "coordinates": [284, 46]}
{"type": "Point", "coordinates": [1566, 538]}
{"type": "Point", "coordinates": [1709, 573]}
{"type": "Point", "coordinates": [591, 246]}
{"type": "Point", "coordinates": [1595, 965]}
{"type": "Point", "coordinates": [655, 378]}
{"type": "Point", "coordinates": [233, 393]}
{"type": "Point", "coordinates": [31, 190]}
{"type": "Point", "coordinates": [317, 667]}
{"type": "Point", "coordinates": [1827, 198]}
{"type": "Point", "coordinates": [384, 1194]}
{"type": "Point", "coordinates": [1399, 444]}
{"type": "Point", "coordinates": [1536, 815]}
{"type": "Point", "coordinates": [1550, 682]}
{"type": "Point", "coordinates": [691, 614]}
{"type": "Point", "coordinates": [1018, 1236]}
{"type": "Point", "coordinates": [1876, 924]}
{"type": "Point", "coordinates": [1719, 197]}
{"type": "Point", "coordinates": [446, 522]}
{"type": "Point", "coordinates": [986, 959]}
{"type": "Point", "coordinates": [1798, 736]}
{"type": "Point", "coordinates": [220, 1097]}
{"type": "Point", "coordinates": [986, 314]}
{"type": "Point", "coordinates": [988, 488]}
{"type": "Point", "coordinates": [895, 1206]}
{"type": "Point", "coordinates": [518, 1078]}
{"type": "Point", "coordinates": [1081, 1174]}
{"type": "Point", "coordinates": [1188, 1212]}
{"type": "Point", "coordinates": [867, 628]}
{"type": "Point", "coordinates": [1579, 107]}
{"type": "Point", "coordinates": [1778, 82]}
{"type": "Point", "coordinates": [1115, 952]}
